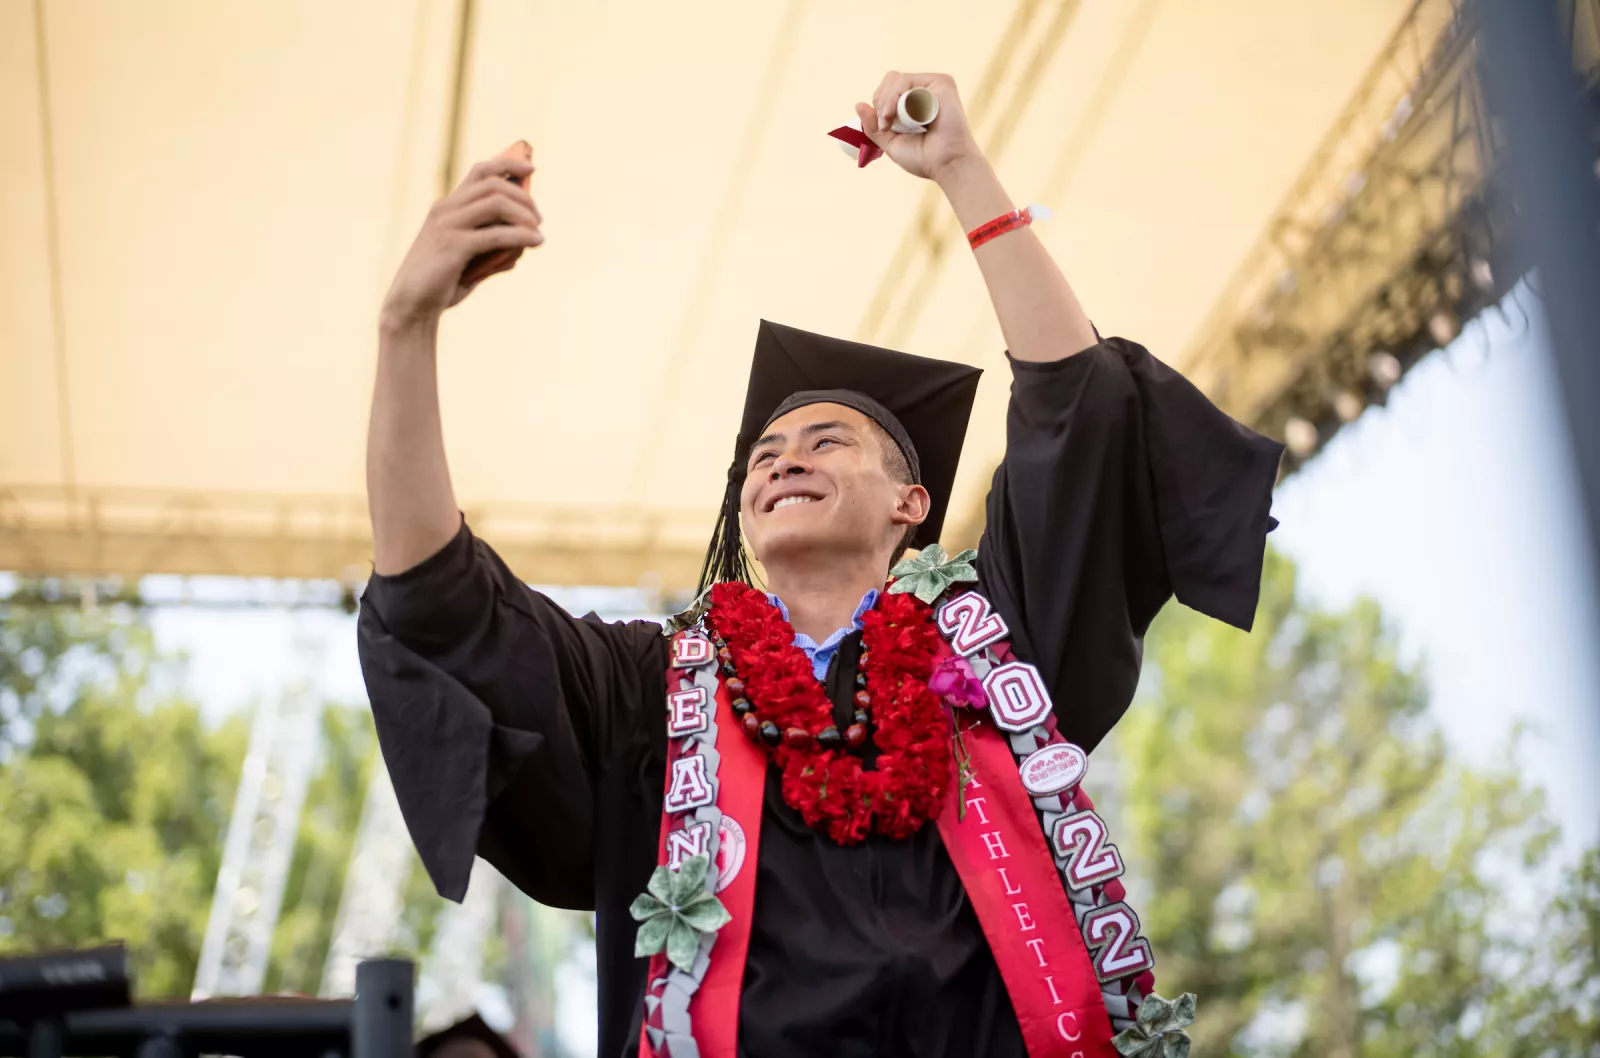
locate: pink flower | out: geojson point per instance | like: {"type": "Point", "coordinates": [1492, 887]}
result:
{"type": "Point", "coordinates": [955, 683]}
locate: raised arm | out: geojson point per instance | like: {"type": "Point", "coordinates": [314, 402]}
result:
{"type": "Point", "coordinates": [479, 229]}
{"type": "Point", "coordinates": [1038, 312]}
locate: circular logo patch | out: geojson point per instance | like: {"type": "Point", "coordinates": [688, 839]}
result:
{"type": "Point", "coordinates": [1057, 767]}
{"type": "Point", "coordinates": [730, 851]}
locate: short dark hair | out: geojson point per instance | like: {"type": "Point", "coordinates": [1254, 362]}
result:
{"type": "Point", "coordinates": [898, 468]}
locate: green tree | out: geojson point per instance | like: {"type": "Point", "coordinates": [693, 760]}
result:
{"type": "Point", "coordinates": [114, 798]}
{"type": "Point", "coordinates": [1322, 873]}
{"type": "Point", "coordinates": [1550, 1004]}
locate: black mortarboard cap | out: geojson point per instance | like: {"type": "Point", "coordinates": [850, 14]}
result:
{"type": "Point", "coordinates": [471, 1028]}
{"type": "Point", "coordinates": [922, 403]}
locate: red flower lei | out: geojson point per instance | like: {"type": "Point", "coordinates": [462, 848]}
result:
{"type": "Point", "coordinates": [829, 787]}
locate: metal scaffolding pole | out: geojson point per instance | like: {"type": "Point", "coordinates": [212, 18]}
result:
{"type": "Point", "coordinates": [448, 986]}
{"type": "Point", "coordinates": [261, 838]}
{"type": "Point", "coordinates": [374, 887]}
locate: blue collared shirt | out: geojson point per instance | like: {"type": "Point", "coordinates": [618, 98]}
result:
{"type": "Point", "coordinates": [822, 653]}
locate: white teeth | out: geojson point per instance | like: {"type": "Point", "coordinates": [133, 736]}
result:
{"type": "Point", "coordinates": [789, 501]}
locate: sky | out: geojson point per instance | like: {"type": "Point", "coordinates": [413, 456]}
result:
{"type": "Point", "coordinates": [1455, 506]}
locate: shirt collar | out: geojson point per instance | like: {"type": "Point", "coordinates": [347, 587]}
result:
{"type": "Point", "coordinates": [868, 601]}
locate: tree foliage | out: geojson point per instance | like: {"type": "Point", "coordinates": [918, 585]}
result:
{"type": "Point", "coordinates": [1321, 870]}
{"type": "Point", "coordinates": [116, 796]}
{"type": "Point", "coordinates": [114, 801]}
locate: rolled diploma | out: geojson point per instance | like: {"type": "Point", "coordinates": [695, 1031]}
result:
{"type": "Point", "coordinates": [913, 114]}
{"type": "Point", "coordinates": [915, 111]}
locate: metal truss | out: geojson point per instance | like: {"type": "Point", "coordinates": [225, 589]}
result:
{"type": "Point", "coordinates": [1395, 234]}
{"type": "Point", "coordinates": [448, 984]}
{"type": "Point", "coordinates": [373, 898]}
{"type": "Point", "coordinates": [128, 533]}
{"type": "Point", "coordinates": [261, 838]}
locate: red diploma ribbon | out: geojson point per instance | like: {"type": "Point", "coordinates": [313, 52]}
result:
{"type": "Point", "coordinates": [866, 150]}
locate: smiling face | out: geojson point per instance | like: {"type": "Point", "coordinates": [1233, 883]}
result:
{"type": "Point", "coordinates": [826, 479]}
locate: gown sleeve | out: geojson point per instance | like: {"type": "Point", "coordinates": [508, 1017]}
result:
{"type": "Point", "coordinates": [1122, 486]}
{"type": "Point", "coordinates": [495, 710]}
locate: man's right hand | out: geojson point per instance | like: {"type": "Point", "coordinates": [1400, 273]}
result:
{"type": "Point", "coordinates": [490, 213]}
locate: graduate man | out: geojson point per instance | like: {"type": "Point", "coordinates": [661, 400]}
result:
{"type": "Point", "coordinates": [845, 817]}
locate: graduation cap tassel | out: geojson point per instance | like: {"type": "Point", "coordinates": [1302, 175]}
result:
{"type": "Point", "coordinates": [726, 558]}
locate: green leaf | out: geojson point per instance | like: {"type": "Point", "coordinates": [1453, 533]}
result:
{"type": "Point", "coordinates": [688, 618]}
{"type": "Point", "coordinates": [652, 936]}
{"type": "Point", "coordinates": [924, 560]}
{"type": "Point", "coordinates": [682, 943]}
{"type": "Point", "coordinates": [646, 906]}
{"type": "Point", "coordinates": [934, 585]}
{"type": "Point", "coordinates": [660, 885]}
{"type": "Point", "coordinates": [1156, 1032]}
{"type": "Point", "coordinates": [1153, 1010]}
{"type": "Point", "coordinates": [689, 881]}
{"type": "Point", "coordinates": [909, 568]}
{"type": "Point", "coordinates": [960, 571]}
{"type": "Point", "coordinates": [706, 915]}
{"type": "Point", "coordinates": [1134, 1043]}
{"type": "Point", "coordinates": [930, 573]}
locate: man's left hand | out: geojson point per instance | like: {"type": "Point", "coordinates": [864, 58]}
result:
{"type": "Point", "coordinates": [948, 140]}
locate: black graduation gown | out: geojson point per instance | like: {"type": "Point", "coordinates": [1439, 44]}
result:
{"type": "Point", "coordinates": [517, 732]}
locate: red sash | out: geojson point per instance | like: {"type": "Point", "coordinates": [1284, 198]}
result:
{"type": "Point", "coordinates": [999, 851]}
{"type": "Point", "coordinates": [1005, 866]}
{"type": "Point", "coordinates": [741, 776]}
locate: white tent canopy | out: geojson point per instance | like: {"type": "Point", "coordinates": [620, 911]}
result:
{"type": "Point", "coordinates": [203, 202]}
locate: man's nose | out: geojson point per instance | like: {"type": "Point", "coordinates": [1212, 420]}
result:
{"type": "Point", "coordinates": [788, 465]}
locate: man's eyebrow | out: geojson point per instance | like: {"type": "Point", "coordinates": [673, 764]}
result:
{"type": "Point", "coordinates": [805, 431]}
{"type": "Point", "coordinates": [822, 427]}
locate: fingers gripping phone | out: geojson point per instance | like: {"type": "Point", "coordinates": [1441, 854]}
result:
{"type": "Point", "coordinates": [485, 265]}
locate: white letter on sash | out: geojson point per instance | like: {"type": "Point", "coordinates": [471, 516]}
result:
{"type": "Point", "coordinates": [1051, 981]}
{"type": "Point", "coordinates": [970, 622]}
{"type": "Point", "coordinates": [1017, 698]}
{"type": "Point", "coordinates": [690, 841]}
{"type": "Point", "coordinates": [1037, 950]}
{"type": "Point", "coordinates": [997, 847]}
{"type": "Point", "coordinates": [1006, 880]}
{"type": "Point", "coordinates": [1080, 839]}
{"type": "Point", "coordinates": [976, 803]}
{"type": "Point", "coordinates": [1063, 1029]}
{"type": "Point", "coordinates": [1114, 930]}
{"type": "Point", "coordinates": [690, 789]}
{"type": "Point", "coordinates": [690, 651]}
{"type": "Point", "coordinates": [1024, 919]}
{"type": "Point", "coordinates": [687, 709]}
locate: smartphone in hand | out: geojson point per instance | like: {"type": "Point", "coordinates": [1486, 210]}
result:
{"type": "Point", "coordinates": [486, 264]}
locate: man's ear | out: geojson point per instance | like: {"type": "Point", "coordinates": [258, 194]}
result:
{"type": "Point", "coordinates": [913, 506]}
